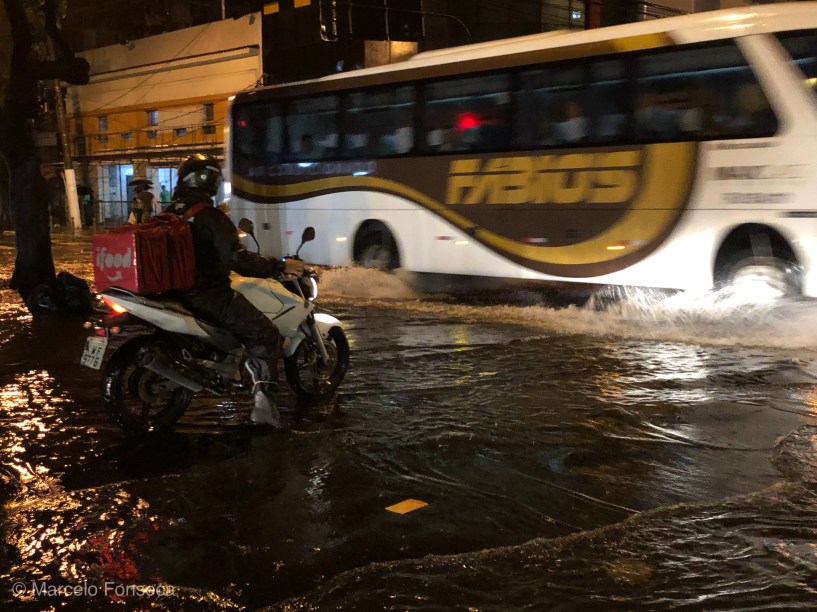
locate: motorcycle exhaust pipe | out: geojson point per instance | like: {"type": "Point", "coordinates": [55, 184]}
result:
{"type": "Point", "coordinates": [155, 363]}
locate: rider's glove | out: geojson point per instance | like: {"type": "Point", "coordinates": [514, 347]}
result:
{"type": "Point", "coordinates": [294, 266]}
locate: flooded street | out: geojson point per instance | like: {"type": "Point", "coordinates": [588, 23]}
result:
{"type": "Point", "coordinates": [661, 454]}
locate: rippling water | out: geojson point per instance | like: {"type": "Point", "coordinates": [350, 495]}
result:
{"type": "Point", "coordinates": [659, 454]}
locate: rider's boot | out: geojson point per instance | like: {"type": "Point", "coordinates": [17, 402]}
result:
{"type": "Point", "coordinates": [264, 410]}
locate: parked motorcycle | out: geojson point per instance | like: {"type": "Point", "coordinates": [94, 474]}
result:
{"type": "Point", "coordinates": [170, 355]}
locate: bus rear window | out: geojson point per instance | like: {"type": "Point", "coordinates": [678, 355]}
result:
{"type": "Point", "coordinates": [802, 47]}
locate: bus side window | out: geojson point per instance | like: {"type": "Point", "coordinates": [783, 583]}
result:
{"type": "Point", "coordinates": [608, 103]}
{"type": "Point", "coordinates": [700, 93]}
{"type": "Point", "coordinates": [258, 133]}
{"type": "Point", "coordinates": [273, 143]}
{"type": "Point", "coordinates": [468, 114]}
{"type": "Point", "coordinates": [312, 128]}
{"type": "Point", "coordinates": [553, 106]}
{"type": "Point", "coordinates": [373, 119]}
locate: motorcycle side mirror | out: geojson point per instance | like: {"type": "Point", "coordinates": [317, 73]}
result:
{"type": "Point", "coordinates": [246, 226]}
{"type": "Point", "coordinates": [309, 234]}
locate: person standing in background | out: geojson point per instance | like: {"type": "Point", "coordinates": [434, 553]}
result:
{"type": "Point", "coordinates": [164, 197]}
{"type": "Point", "coordinates": [144, 203]}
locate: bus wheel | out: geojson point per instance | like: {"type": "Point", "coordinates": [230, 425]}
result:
{"type": "Point", "coordinates": [770, 276]}
{"type": "Point", "coordinates": [377, 250]}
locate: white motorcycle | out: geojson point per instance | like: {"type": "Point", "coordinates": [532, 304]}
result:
{"type": "Point", "coordinates": [149, 380]}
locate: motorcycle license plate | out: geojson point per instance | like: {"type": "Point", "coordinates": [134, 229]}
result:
{"type": "Point", "coordinates": [94, 352]}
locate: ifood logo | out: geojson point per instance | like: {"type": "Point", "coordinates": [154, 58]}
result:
{"type": "Point", "coordinates": [106, 261]}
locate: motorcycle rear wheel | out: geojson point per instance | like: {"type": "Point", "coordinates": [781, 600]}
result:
{"type": "Point", "coordinates": [138, 400]}
{"type": "Point", "coordinates": [307, 373]}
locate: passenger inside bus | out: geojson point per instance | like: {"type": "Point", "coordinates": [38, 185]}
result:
{"type": "Point", "coordinates": [404, 138]}
{"type": "Point", "coordinates": [612, 126]}
{"type": "Point", "coordinates": [442, 139]}
{"type": "Point", "coordinates": [653, 119]}
{"type": "Point", "coordinates": [574, 126]}
{"type": "Point", "coordinates": [307, 147]}
{"type": "Point", "coordinates": [700, 112]}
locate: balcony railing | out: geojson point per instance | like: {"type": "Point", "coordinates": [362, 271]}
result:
{"type": "Point", "coordinates": [150, 139]}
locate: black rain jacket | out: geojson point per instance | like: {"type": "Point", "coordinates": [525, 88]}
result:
{"type": "Point", "coordinates": [219, 252]}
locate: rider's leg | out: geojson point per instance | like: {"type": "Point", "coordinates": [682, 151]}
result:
{"type": "Point", "coordinates": [264, 389]}
{"type": "Point", "coordinates": [260, 337]}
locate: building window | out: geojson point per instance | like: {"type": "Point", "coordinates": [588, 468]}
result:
{"type": "Point", "coordinates": [153, 134]}
{"type": "Point", "coordinates": [103, 123]}
{"type": "Point", "coordinates": [153, 117]}
{"type": "Point", "coordinates": [126, 136]}
{"type": "Point", "coordinates": [102, 138]}
{"type": "Point", "coordinates": [208, 129]}
{"type": "Point", "coordinates": [208, 111]}
{"type": "Point", "coordinates": [180, 132]}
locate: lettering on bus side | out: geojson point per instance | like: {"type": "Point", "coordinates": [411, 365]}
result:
{"type": "Point", "coordinates": [574, 178]}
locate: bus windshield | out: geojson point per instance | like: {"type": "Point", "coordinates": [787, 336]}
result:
{"type": "Point", "coordinates": [802, 47]}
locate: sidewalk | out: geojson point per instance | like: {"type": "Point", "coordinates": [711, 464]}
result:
{"type": "Point", "coordinates": [59, 235]}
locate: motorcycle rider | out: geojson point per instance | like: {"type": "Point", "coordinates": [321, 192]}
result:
{"type": "Point", "coordinates": [218, 251]}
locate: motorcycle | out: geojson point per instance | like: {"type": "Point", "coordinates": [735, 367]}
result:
{"type": "Point", "coordinates": [150, 379]}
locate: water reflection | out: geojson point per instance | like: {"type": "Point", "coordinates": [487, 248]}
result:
{"type": "Point", "coordinates": [569, 459]}
{"type": "Point", "coordinates": [29, 409]}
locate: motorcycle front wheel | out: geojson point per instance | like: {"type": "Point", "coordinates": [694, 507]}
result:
{"type": "Point", "coordinates": [138, 400]}
{"type": "Point", "coordinates": [308, 374]}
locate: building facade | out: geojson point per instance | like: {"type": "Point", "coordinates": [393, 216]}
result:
{"type": "Point", "coordinates": [153, 101]}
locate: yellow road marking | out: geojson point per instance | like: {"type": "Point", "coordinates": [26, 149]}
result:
{"type": "Point", "coordinates": [408, 505]}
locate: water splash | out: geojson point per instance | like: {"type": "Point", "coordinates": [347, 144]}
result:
{"type": "Point", "coordinates": [713, 318]}
{"type": "Point", "coordinates": [365, 283]}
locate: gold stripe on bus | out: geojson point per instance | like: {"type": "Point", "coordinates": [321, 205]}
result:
{"type": "Point", "coordinates": [271, 8]}
{"type": "Point", "coordinates": [642, 42]}
{"type": "Point", "coordinates": [302, 3]}
{"type": "Point", "coordinates": [667, 176]}
{"type": "Point", "coordinates": [347, 183]}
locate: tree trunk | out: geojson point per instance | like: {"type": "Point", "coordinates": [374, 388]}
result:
{"type": "Point", "coordinates": [29, 194]}
{"type": "Point", "coordinates": [6, 218]}
{"type": "Point", "coordinates": [34, 264]}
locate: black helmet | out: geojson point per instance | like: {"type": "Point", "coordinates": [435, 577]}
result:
{"type": "Point", "coordinates": [200, 173]}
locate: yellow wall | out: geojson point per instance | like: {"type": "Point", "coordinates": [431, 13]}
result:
{"type": "Point", "coordinates": [176, 74]}
{"type": "Point", "coordinates": [187, 114]}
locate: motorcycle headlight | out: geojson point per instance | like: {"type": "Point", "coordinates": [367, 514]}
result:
{"type": "Point", "coordinates": [313, 288]}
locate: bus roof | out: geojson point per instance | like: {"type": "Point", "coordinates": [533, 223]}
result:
{"type": "Point", "coordinates": [553, 46]}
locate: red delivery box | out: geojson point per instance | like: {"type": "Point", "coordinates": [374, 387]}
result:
{"type": "Point", "coordinates": [145, 258]}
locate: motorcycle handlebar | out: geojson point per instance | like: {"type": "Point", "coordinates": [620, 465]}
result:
{"type": "Point", "coordinates": [308, 273]}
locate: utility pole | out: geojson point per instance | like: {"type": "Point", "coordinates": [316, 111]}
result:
{"type": "Point", "coordinates": [69, 176]}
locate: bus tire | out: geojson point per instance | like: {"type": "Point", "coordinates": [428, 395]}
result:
{"type": "Point", "coordinates": [775, 270]}
{"type": "Point", "coordinates": [376, 249]}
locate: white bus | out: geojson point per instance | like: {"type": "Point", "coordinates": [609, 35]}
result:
{"type": "Point", "coordinates": [677, 153]}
